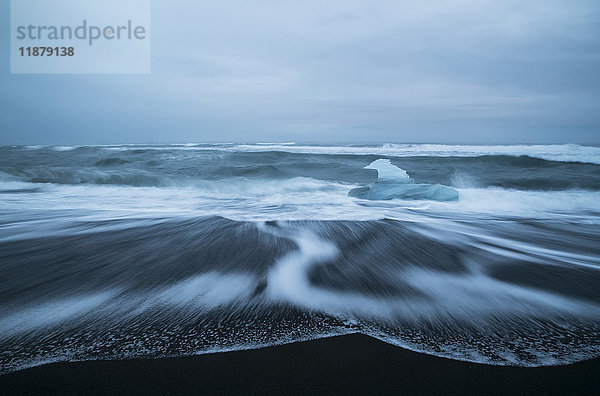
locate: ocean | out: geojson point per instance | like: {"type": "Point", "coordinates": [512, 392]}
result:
{"type": "Point", "coordinates": [487, 254]}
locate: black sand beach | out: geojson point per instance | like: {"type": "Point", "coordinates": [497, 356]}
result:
{"type": "Point", "coordinates": [345, 364]}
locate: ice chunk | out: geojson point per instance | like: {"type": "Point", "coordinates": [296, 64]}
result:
{"type": "Point", "coordinates": [394, 183]}
{"type": "Point", "coordinates": [385, 191]}
{"type": "Point", "coordinates": [388, 173]}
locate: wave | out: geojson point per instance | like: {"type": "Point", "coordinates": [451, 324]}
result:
{"type": "Point", "coordinates": [180, 287]}
{"type": "Point", "coordinates": [66, 209]}
{"type": "Point", "coordinates": [112, 161]}
{"type": "Point", "coordinates": [557, 152]}
{"type": "Point", "coordinates": [90, 176]}
{"type": "Point", "coordinates": [561, 153]}
{"type": "Point", "coordinates": [167, 166]}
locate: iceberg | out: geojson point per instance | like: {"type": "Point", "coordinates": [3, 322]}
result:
{"type": "Point", "coordinates": [394, 183]}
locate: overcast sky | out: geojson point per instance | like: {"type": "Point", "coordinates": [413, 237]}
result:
{"type": "Point", "coordinates": [455, 71]}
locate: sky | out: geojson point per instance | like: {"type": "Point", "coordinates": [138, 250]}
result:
{"type": "Point", "coordinates": [452, 71]}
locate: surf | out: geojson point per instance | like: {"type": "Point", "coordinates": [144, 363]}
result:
{"type": "Point", "coordinates": [394, 183]}
{"type": "Point", "coordinates": [146, 251]}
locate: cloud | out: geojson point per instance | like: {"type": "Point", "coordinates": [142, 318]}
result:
{"type": "Point", "coordinates": [453, 70]}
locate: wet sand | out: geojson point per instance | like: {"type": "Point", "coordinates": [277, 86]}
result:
{"type": "Point", "coordinates": [345, 364]}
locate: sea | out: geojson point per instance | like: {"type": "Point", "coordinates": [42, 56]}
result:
{"type": "Point", "coordinates": [148, 251]}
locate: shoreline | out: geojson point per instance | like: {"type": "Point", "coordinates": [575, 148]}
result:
{"type": "Point", "coordinates": [347, 363]}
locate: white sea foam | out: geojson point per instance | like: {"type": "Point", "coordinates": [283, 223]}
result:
{"type": "Point", "coordinates": [499, 201]}
{"type": "Point", "coordinates": [61, 207]}
{"type": "Point", "coordinates": [445, 299]}
{"type": "Point", "coordinates": [288, 280]}
{"type": "Point", "coordinates": [64, 148]}
{"type": "Point", "coordinates": [51, 313]}
{"type": "Point", "coordinates": [208, 290]}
